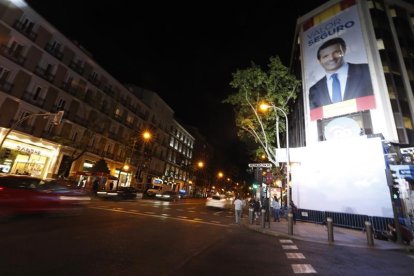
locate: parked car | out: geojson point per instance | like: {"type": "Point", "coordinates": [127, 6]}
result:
{"type": "Point", "coordinates": [22, 194]}
{"type": "Point", "coordinates": [168, 195]}
{"type": "Point", "coordinates": [121, 193]}
{"type": "Point", "coordinates": [217, 201]}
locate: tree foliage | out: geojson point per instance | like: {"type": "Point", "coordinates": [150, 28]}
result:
{"type": "Point", "coordinates": [275, 86]}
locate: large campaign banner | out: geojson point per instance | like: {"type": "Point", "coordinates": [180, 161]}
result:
{"type": "Point", "coordinates": [337, 80]}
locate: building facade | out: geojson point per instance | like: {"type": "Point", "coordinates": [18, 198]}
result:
{"type": "Point", "coordinates": [375, 39]}
{"type": "Point", "coordinates": [41, 73]}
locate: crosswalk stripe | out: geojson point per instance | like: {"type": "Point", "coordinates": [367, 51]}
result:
{"type": "Point", "coordinates": [289, 247]}
{"type": "Point", "coordinates": [295, 256]}
{"type": "Point", "coordinates": [286, 241]}
{"type": "Point", "coordinates": [303, 268]}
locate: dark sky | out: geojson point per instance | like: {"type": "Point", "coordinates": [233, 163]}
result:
{"type": "Point", "coordinates": [184, 52]}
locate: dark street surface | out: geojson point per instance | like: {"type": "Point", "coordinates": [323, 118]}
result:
{"type": "Point", "coordinates": [149, 237]}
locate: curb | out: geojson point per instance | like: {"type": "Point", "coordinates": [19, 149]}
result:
{"type": "Point", "coordinates": [267, 231]}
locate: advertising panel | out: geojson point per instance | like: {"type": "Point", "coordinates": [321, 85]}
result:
{"type": "Point", "coordinates": [337, 79]}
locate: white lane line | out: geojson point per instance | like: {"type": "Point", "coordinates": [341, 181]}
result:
{"type": "Point", "coordinates": [167, 215]}
{"type": "Point", "coordinates": [198, 219]}
{"type": "Point", "coordinates": [191, 211]}
{"type": "Point", "coordinates": [290, 247]}
{"type": "Point", "coordinates": [286, 241]}
{"type": "Point", "coordinates": [183, 217]}
{"type": "Point", "coordinates": [215, 221]}
{"type": "Point", "coordinates": [295, 256]}
{"type": "Point", "coordinates": [303, 268]}
{"type": "Point", "coordinates": [151, 214]}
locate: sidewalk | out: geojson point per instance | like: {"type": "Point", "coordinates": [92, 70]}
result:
{"type": "Point", "coordinates": [312, 232]}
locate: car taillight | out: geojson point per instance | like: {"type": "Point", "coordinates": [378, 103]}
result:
{"type": "Point", "coordinates": [1, 188]}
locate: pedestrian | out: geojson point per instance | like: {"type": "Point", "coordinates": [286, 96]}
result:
{"type": "Point", "coordinates": [276, 209]}
{"type": "Point", "coordinates": [111, 185]}
{"type": "Point", "coordinates": [95, 186]}
{"type": "Point", "coordinates": [256, 209]}
{"type": "Point", "coordinates": [238, 207]}
{"type": "Point", "coordinates": [294, 210]}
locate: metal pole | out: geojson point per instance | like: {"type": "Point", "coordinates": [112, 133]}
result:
{"type": "Point", "coordinates": [290, 224]}
{"type": "Point", "coordinates": [262, 218]}
{"type": "Point", "coordinates": [370, 236]}
{"type": "Point", "coordinates": [330, 230]}
{"type": "Point", "coordinates": [251, 214]}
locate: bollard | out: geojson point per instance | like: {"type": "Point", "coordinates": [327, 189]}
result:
{"type": "Point", "coordinates": [329, 225]}
{"type": "Point", "coordinates": [290, 224]}
{"type": "Point", "coordinates": [370, 237]}
{"type": "Point", "coordinates": [251, 215]}
{"type": "Point", "coordinates": [262, 218]}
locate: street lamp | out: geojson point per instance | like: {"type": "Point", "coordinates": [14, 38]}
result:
{"type": "Point", "coordinates": [265, 107]}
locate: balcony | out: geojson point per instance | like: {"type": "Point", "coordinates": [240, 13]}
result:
{"type": "Point", "coordinates": [12, 54]}
{"type": "Point", "coordinates": [33, 99]}
{"type": "Point", "coordinates": [5, 86]}
{"type": "Point", "coordinates": [78, 68]}
{"type": "Point", "coordinates": [54, 51]}
{"type": "Point", "coordinates": [25, 29]}
{"type": "Point", "coordinates": [44, 73]}
{"type": "Point", "coordinates": [92, 79]}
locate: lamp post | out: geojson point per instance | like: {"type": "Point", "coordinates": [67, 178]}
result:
{"type": "Point", "coordinates": [264, 107]}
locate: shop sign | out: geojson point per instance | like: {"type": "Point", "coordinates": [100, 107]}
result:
{"type": "Point", "coordinates": [28, 150]}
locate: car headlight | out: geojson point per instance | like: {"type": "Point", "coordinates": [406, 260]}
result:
{"type": "Point", "coordinates": [158, 195]}
{"type": "Point", "coordinates": [167, 196]}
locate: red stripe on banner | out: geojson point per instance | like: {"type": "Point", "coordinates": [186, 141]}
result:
{"type": "Point", "coordinates": [346, 4]}
{"type": "Point", "coordinates": [365, 103]}
{"type": "Point", "coordinates": [316, 113]}
{"type": "Point", "coordinates": [308, 24]}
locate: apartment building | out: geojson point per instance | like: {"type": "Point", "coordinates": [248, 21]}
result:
{"type": "Point", "coordinates": [42, 72]}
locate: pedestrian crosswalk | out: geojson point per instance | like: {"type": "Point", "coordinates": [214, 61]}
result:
{"type": "Point", "coordinates": [293, 255]}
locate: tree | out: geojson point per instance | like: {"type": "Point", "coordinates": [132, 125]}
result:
{"type": "Point", "coordinates": [277, 86]}
{"type": "Point", "coordinates": [100, 167]}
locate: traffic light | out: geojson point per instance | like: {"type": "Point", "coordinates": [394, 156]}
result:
{"type": "Point", "coordinates": [255, 185]}
{"type": "Point", "coordinates": [395, 193]}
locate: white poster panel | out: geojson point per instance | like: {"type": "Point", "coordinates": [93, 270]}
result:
{"type": "Point", "coordinates": [343, 176]}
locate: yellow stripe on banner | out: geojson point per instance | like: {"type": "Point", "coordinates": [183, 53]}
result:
{"type": "Point", "coordinates": [345, 107]}
{"type": "Point", "coordinates": [328, 13]}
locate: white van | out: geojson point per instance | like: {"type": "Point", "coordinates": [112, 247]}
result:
{"type": "Point", "coordinates": [158, 189]}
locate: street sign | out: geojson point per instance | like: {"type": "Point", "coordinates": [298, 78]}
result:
{"type": "Point", "coordinates": [260, 165]}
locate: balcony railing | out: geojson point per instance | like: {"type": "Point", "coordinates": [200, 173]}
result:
{"type": "Point", "coordinates": [44, 73]}
{"type": "Point", "coordinates": [25, 29]}
{"type": "Point", "coordinates": [78, 68]}
{"type": "Point", "coordinates": [54, 51]}
{"type": "Point", "coordinates": [11, 54]}
{"type": "Point", "coordinates": [5, 86]}
{"type": "Point", "coordinates": [33, 99]}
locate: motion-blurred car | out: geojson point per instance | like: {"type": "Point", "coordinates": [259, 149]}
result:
{"type": "Point", "coordinates": [168, 195]}
{"type": "Point", "coordinates": [21, 194]}
{"type": "Point", "coordinates": [121, 193]}
{"type": "Point", "coordinates": [217, 201]}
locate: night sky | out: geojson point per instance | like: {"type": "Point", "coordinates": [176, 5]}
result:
{"type": "Point", "coordinates": [184, 52]}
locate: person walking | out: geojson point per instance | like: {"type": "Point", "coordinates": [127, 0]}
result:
{"type": "Point", "coordinates": [238, 207]}
{"type": "Point", "coordinates": [256, 209]}
{"type": "Point", "coordinates": [276, 209]}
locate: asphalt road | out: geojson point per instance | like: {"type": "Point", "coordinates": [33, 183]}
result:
{"type": "Point", "coordinates": [149, 237]}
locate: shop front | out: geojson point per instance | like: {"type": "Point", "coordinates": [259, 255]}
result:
{"type": "Point", "coordinates": [23, 154]}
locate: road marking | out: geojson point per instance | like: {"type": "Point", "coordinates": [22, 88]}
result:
{"type": "Point", "coordinates": [151, 214]}
{"type": "Point", "coordinates": [295, 256]}
{"type": "Point", "coordinates": [167, 215]}
{"type": "Point", "coordinates": [286, 241]}
{"type": "Point", "coordinates": [183, 217]}
{"type": "Point", "coordinates": [215, 221]}
{"type": "Point", "coordinates": [303, 268]}
{"type": "Point", "coordinates": [198, 219]}
{"type": "Point", "coordinates": [191, 211]}
{"type": "Point", "coordinates": [290, 247]}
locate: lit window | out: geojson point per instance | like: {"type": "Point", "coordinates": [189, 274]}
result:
{"type": "Point", "coordinates": [380, 44]}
